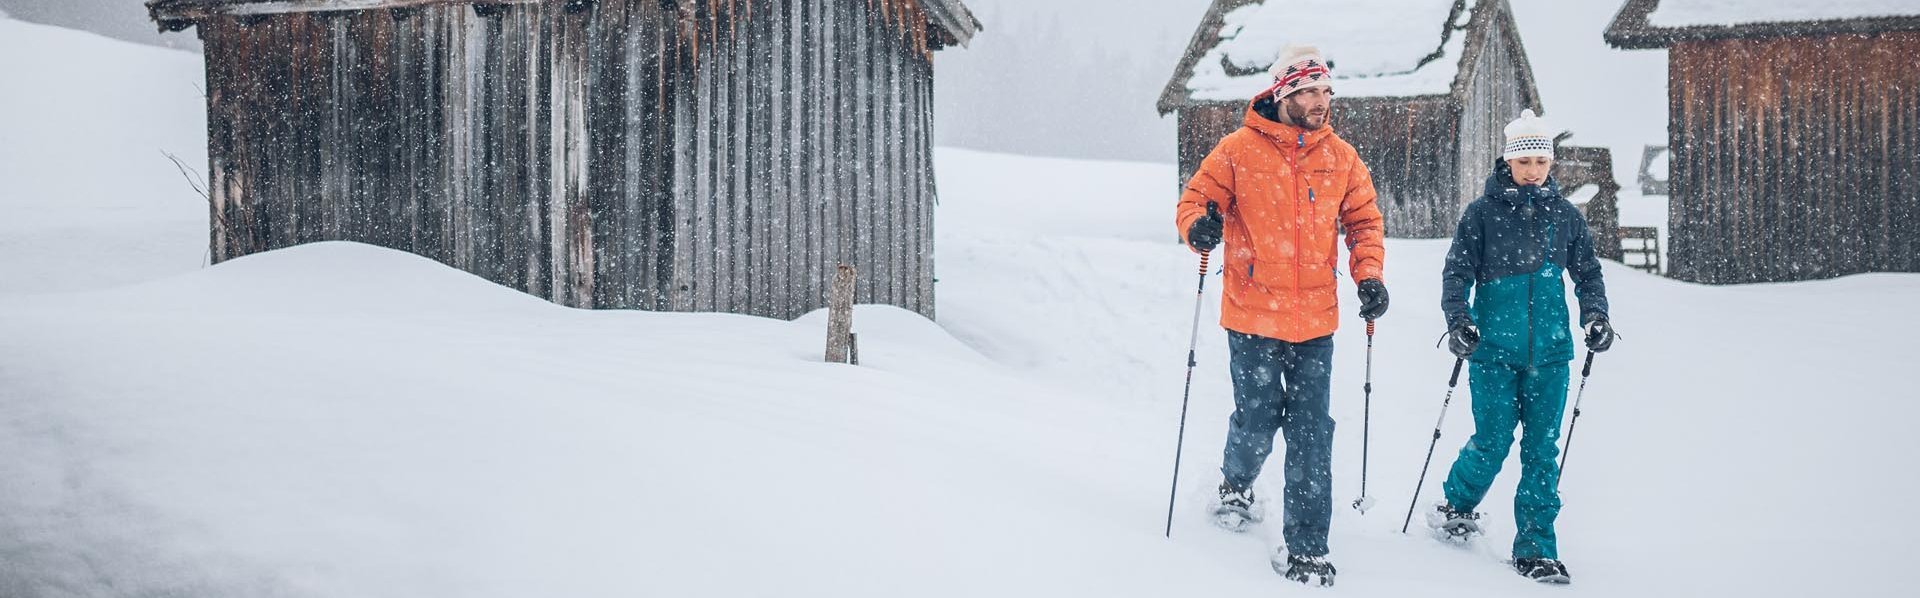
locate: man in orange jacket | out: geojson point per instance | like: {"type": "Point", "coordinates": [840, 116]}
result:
{"type": "Point", "coordinates": [1278, 191]}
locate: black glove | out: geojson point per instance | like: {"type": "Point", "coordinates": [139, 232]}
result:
{"type": "Point", "coordinates": [1463, 338]}
{"type": "Point", "coordinates": [1204, 234]}
{"type": "Point", "coordinates": [1599, 334]}
{"type": "Point", "coordinates": [1373, 299]}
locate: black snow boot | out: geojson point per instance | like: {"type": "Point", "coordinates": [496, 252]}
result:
{"type": "Point", "coordinates": [1449, 524]}
{"type": "Point", "coordinates": [1236, 509]}
{"type": "Point", "coordinates": [1310, 570]}
{"type": "Point", "coordinates": [1543, 570]}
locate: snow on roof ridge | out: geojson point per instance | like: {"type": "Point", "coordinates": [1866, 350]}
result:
{"type": "Point", "coordinates": [1371, 57]}
{"type": "Point", "coordinates": [1685, 13]}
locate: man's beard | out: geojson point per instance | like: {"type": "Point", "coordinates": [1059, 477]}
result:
{"type": "Point", "coordinates": [1299, 118]}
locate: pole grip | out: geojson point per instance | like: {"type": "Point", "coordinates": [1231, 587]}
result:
{"type": "Point", "coordinates": [1203, 262]}
{"type": "Point", "coordinates": [1586, 370]}
{"type": "Point", "coordinates": [1369, 328]}
{"type": "Point", "coordinates": [1455, 379]}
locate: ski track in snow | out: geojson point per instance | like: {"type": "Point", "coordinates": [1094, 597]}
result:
{"type": "Point", "coordinates": [340, 420]}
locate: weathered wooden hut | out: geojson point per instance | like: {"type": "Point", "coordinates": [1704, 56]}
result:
{"type": "Point", "coordinates": [1794, 129]}
{"type": "Point", "coordinates": [1423, 89]}
{"type": "Point", "coordinates": [691, 155]}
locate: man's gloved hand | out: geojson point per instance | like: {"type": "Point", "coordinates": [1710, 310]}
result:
{"type": "Point", "coordinates": [1599, 334]}
{"type": "Point", "coordinates": [1463, 338]}
{"type": "Point", "coordinates": [1373, 299]}
{"type": "Point", "coordinates": [1204, 234]}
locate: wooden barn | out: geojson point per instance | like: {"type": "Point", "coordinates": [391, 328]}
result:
{"type": "Point", "coordinates": [1423, 94]}
{"type": "Point", "coordinates": [685, 155]}
{"type": "Point", "coordinates": [1795, 135]}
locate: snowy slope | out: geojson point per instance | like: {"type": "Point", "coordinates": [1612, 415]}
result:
{"type": "Point", "coordinates": [84, 122]}
{"type": "Point", "coordinates": [1723, 410]}
{"type": "Point", "coordinates": [340, 420]}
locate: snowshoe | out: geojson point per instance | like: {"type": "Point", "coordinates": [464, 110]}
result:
{"type": "Point", "coordinates": [1236, 510]}
{"type": "Point", "coordinates": [1543, 570]}
{"type": "Point", "coordinates": [1309, 570]}
{"type": "Point", "coordinates": [1451, 525]}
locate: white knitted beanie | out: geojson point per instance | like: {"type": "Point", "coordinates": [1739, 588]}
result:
{"type": "Point", "coordinates": [1528, 135]}
{"type": "Point", "coordinates": [1299, 67]}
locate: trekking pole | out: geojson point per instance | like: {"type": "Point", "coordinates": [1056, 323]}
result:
{"type": "Point", "coordinates": [1366, 428]}
{"type": "Point", "coordinates": [1585, 370]}
{"type": "Point", "coordinates": [1193, 341]}
{"type": "Point", "coordinates": [1451, 382]}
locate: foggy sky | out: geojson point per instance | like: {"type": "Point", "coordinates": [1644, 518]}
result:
{"type": "Point", "coordinates": [1072, 78]}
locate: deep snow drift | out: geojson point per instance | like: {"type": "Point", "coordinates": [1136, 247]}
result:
{"type": "Point", "coordinates": [342, 420]}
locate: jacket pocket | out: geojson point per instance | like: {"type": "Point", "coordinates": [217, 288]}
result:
{"type": "Point", "coordinates": [1282, 276]}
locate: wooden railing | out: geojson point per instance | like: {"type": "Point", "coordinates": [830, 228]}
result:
{"type": "Point", "coordinates": [1640, 248]}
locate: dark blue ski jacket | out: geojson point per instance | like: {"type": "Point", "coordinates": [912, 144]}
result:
{"type": "Point", "coordinates": [1507, 255]}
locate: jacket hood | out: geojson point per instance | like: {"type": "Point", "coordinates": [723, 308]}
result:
{"type": "Point", "coordinates": [1263, 115]}
{"type": "Point", "coordinates": [1500, 184]}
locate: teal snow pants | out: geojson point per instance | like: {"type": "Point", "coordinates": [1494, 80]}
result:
{"type": "Point", "coordinates": [1533, 399]}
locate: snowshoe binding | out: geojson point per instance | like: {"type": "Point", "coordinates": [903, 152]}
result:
{"type": "Point", "coordinates": [1453, 526]}
{"type": "Point", "coordinates": [1236, 510]}
{"type": "Point", "coordinates": [1543, 570]}
{"type": "Point", "coordinates": [1308, 570]}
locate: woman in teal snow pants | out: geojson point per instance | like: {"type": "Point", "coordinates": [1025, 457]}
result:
{"type": "Point", "coordinates": [1506, 311]}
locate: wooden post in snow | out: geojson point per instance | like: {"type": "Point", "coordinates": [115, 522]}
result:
{"type": "Point", "coordinates": [840, 317]}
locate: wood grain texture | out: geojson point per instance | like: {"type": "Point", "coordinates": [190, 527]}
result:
{"type": "Point", "coordinates": [713, 155]}
{"type": "Point", "coordinates": [1780, 173]}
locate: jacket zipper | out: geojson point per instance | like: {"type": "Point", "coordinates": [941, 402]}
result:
{"type": "Point", "coordinates": [1533, 226]}
{"type": "Point", "coordinates": [1300, 145]}
{"type": "Point", "coordinates": [1530, 278]}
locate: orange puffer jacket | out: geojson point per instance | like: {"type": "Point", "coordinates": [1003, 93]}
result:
{"type": "Point", "coordinates": [1285, 192]}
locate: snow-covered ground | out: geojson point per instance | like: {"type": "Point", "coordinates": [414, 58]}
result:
{"type": "Point", "coordinates": [341, 420]}
{"type": "Point", "coordinates": [88, 197]}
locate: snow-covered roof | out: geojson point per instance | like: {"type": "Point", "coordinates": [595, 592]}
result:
{"type": "Point", "coordinates": [1662, 23]}
{"type": "Point", "coordinates": [1682, 13]}
{"type": "Point", "coordinates": [1378, 48]}
{"type": "Point", "coordinates": [950, 16]}
{"type": "Point", "coordinates": [175, 15]}
{"type": "Point", "coordinates": [1405, 55]}
{"type": "Point", "coordinates": [953, 17]}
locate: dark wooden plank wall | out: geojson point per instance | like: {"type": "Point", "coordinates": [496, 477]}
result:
{"type": "Point", "coordinates": [633, 59]}
{"type": "Point", "coordinates": [427, 130]}
{"type": "Point", "coordinates": [802, 139]}
{"type": "Point", "coordinates": [717, 155]}
{"type": "Point", "coordinates": [1200, 129]}
{"type": "Point", "coordinates": [1405, 143]}
{"type": "Point", "coordinates": [1781, 172]}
